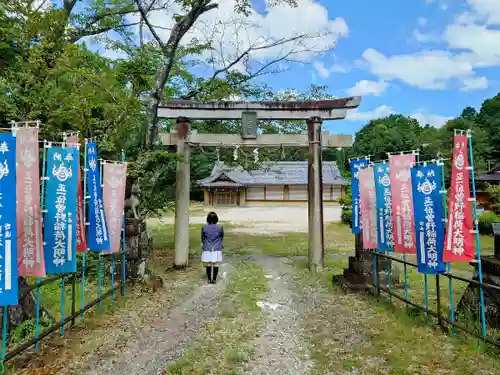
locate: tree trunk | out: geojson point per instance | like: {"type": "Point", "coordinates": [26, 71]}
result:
{"type": "Point", "coordinates": [181, 27]}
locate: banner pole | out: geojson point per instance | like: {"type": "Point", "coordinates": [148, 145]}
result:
{"type": "Point", "coordinates": [38, 279]}
{"type": "Point", "coordinates": [84, 203]}
{"type": "Point", "coordinates": [448, 265]}
{"type": "Point", "coordinates": [124, 246]}
{"type": "Point", "coordinates": [99, 256]}
{"type": "Point", "coordinates": [4, 336]}
{"type": "Point", "coordinates": [63, 286]}
{"type": "Point", "coordinates": [478, 249]}
{"type": "Point", "coordinates": [426, 282]}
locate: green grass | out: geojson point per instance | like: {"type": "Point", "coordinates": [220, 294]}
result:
{"type": "Point", "coordinates": [224, 345]}
{"type": "Point", "coordinates": [380, 338]}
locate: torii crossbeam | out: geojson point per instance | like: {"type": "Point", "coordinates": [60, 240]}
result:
{"type": "Point", "coordinates": [313, 111]}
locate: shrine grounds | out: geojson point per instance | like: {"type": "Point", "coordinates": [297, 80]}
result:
{"type": "Point", "coordinates": [267, 315]}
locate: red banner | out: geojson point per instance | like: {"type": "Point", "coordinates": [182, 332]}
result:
{"type": "Point", "coordinates": [402, 203]}
{"type": "Point", "coordinates": [459, 246]}
{"type": "Point", "coordinates": [30, 260]}
{"type": "Point", "coordinates": [81, 243]}
{"type": "Point", "coordinates": [114, 179]}
{"type": "Point", "coordinates": [368, 207]}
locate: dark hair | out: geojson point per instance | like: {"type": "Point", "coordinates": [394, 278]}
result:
{"type": "Point", "coordinates": [212, 218]}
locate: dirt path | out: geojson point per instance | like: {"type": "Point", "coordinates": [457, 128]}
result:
{"type": "Point", "coordinates": [265, 220]}
{"type": "Point", "coordinates": [279, 349]}
{"type": "Point", "coordinates": [157, 345]}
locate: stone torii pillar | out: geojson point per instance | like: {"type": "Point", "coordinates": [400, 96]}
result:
{"type": "Point", "coordinates": [313, 111]}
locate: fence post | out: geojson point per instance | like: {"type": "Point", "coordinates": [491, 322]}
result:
{"type": "Point", "coordinates": [73, 298]}
{"type": "Point", "coordinates": [378, 274]}
{"type": "Point", "coordinates": [438, 303]}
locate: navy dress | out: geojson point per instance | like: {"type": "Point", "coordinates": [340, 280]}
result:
{"type": "Point", "coordinates": [211, 243]}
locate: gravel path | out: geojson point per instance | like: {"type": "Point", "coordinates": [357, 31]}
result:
{"type": "Point", "coordinates": [167, 339]}
{"type": "Point", "coordinates": [263, 220]}
{"type": "Point", "coordinates": [279, 349]}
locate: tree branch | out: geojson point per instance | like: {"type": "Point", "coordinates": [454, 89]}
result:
{"type": "Point", "coordinates": [180, 28]}
{"type": "Point", "coordinates": [242, 56]}
{"type": "Point", "coordinates": [144, 16]}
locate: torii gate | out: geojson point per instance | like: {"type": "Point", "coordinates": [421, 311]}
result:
{"type": "Point", "coordinates": [313, 111]}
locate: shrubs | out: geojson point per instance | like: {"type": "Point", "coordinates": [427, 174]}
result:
{"type": "Point", "coordinates": [345, 202]}
{"type": "Point", "coordinates": [485, 222]}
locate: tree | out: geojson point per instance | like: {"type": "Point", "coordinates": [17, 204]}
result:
{"type": "Point", "coordinates": [488, 120]}
{"type": "Point", "coordinates": [469, 113]}
{"type": "Point", "coordinates": [221, 63]}
{"type": "Point", "coordinates": [394, 133]}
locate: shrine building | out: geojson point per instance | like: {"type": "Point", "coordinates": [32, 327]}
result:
{"type": "Point", "coordinates": [283, 182]}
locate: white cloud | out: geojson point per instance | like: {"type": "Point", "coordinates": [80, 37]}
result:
{"type": "Point", "coordinates": [380, 111]}
{"type": "Point", "coordinates": [365, 87]}
{"type": "Point", "coordinates": [482, 44]}
{"type": "Point", "coordinates": [422, 21]}
{"type": "Point", "coordinates": [325, 72]}
{"type": "Point", "coordinates": [472, 42]}
{"type": "Point", "coordinates": [475, 83]}
{"type": "Point", "coordinates": [322, 70]}
{"type": "Point", "coordinates": [433, 120]}
{"type": "Point", "coordinates": [489, 10]}
{"type": "Point", "coordinates": [424, 37]}
{"type": "Point", "coordinates": [337, 68]}
{"type": "Point", "coordinates": [384, 111]}
{"type": "Point", "coordinates": [428, 70]}
{"type": "Point", "coordinates": [231, 33]}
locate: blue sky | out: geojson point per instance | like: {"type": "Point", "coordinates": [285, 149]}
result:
{"type": "Point", "coordinates": [402, 28]}
{"type": "Point", "coordinates": [423, 58]}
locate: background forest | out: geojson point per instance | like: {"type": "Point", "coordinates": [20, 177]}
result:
{"type": "Point", "coordinates": [48, 73]}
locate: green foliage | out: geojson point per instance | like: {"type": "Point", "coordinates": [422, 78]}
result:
{"type": "Point", "coordinates": [26, 330]}
{"type": "Point", "coordinates": [485, 222]}
{"type": "Point", "coordinates": [346, 203]}
{"type": "Point", "coordinates": [391, 134]}
{"type": "Point", "coordinates": [494, 197]}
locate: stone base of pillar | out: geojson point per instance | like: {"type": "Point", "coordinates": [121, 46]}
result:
{"type": "Point", "coordinates": [468, 307]}
{"type": "Point", "coordinates": [359, 275]}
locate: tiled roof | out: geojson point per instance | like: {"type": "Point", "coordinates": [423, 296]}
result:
{"type": "Point", "coordinates": [274, 173]}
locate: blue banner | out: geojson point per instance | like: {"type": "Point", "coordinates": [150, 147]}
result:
{"type": "Point", "coordinates": [98, 239]}
{"type": "Point", "coordinates": [355, 166]}
{"type": "Point", "coordinates": [60, 218]}
{"type": "Point", "coordinates": [429, 215]}
{"type": "Point", "coordinates": [8, 233]}
{"type": "Point", "coordinates": [385, 226]}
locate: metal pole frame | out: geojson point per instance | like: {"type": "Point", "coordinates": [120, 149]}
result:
{"type": "Point", "coordinates": [42, 206]}
{"type": "Point", "coordinates": [124, 247]}
{"type": "Point", "coordinates": [448, 265]}
{"type": "Point", "coordinates": [85, 224]}
{"type": "Point", "coordinates": [478, 244]}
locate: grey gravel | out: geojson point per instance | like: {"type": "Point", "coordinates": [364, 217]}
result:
{"type": "Point", "coordinates": [162, 343]}
{"type": "Point", "coordinates": [279, 349]}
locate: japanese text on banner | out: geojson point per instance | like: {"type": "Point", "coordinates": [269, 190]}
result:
{"type": "Point", "coordinates": [385, 225]}
{"type": "Point", "coordinates": [402, 203]}
{"type": "Point", "coordinates": [355, 166]}
{"type": "Point", "coordinates": [8, 238]}
{"type": "Point", "coordinates": [114, 201]}
{"type": "Point", "coordinates": [429, 215]}
{"type": "Point", "coordinates": [81, 242]}
{"type": "Point", "coordinates": [30, 257]}
{"type": "Point", "coordinates": [60, 218]}
{"type": "Point", "coordinates": [97, 239]}
{"type": "Point", "coordinates": [459, 238]}
{"type": "Point", "coordinates": [368, 207]}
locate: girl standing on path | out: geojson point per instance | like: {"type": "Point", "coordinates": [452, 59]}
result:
{"type": "Point", "coordinates": [212, 235]}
